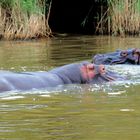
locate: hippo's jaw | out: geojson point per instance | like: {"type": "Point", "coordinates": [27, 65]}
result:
{"type": "Point", "coordinates": [108, 77]}
{"type": "Point", "coordinates": [98, 74]}
{"type": "Point", "coordinates": [130, 56]}
{"type": "Point", "coordinates": [118, 61]}
{"type": "Point", "coordinates": [109, 60]}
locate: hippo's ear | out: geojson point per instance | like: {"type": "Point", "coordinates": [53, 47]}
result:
{"type": "Point", "coordinates": [87, 71]}
{"type": "Point", "coordinates": [90, 66]}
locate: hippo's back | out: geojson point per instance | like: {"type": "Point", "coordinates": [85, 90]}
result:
{"type": "Point", "coordinates": [27, 80]}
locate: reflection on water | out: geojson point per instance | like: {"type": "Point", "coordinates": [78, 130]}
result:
{"type": "Point", "coordinates": [71, 116]}
{"type": "Point", "coordinates": [79, 112]}
{"type": "Point", "coordinates": [48, 53]}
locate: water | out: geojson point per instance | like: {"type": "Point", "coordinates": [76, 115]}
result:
{"type": "Point", "coordinates": [78, 112]}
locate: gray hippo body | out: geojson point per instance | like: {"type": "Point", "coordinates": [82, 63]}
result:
{"type": "Point", "coordinates": [129, 56]}
{"type": "Point", "coordinates": [76, 73]}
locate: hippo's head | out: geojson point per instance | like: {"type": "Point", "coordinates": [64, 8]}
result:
{"type": "Point", "coordinates": [97, 74]}
{"type": "Point", "coordinates": [130, 56]}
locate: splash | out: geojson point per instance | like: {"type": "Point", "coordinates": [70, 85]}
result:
{"type": "Point", "coordinates": [132, 72]}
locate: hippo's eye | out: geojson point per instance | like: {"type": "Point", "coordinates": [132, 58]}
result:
{"type": "Point", "coordinates": [124, 53]}
{"type": "Point", "coordinates": [103, 68]}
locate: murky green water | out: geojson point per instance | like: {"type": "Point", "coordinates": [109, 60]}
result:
{"type": "Point", "coordinates": [75, 112]}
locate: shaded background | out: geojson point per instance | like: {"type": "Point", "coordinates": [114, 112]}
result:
{"type": "Point", "coordinates": [76, 16]}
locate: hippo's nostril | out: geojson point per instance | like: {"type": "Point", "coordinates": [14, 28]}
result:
{"type": "Point", "coordinates": [102, 69]}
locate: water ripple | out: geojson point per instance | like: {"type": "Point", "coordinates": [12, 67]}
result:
{"type": "Point", "coordinates": [132, 73]}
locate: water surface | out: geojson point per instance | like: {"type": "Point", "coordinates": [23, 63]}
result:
{"type": "Point", "coordinates": [70, 112]}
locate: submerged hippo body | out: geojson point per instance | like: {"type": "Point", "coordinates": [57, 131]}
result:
{"type": "Point", "coordinates": [77, 73]}
{"type": "Point", "coordinates": [130, 56]}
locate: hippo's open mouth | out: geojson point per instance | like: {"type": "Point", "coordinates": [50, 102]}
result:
{"type": "Point", "coordinates": [130, 56]}
{"type": "Point", "coordinates": [103, 75]}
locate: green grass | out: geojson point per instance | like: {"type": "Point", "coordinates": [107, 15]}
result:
{"type": "Point", "coordinates": [23, 19]}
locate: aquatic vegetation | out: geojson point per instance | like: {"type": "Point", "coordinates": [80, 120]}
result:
{"type": "Point", "coordinates": [23, 19]}
{"type": "Point", "coordinates": [124, 16]}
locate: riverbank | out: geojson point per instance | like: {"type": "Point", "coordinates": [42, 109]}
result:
{"type": "Point", "coordinates": [21, 19]}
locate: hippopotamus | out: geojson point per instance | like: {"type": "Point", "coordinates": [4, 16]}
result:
{"type": "Point", "coordinates": [129, 56]}
{"type": "Point", "coordinates": [75, 73]}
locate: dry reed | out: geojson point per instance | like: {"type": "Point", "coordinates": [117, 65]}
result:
{"type": "Point", "coordinates": [122, 18]}
{"type": "Point", "coordinates": [125, 17]}
{"type": "Point", "coordinates": [23, 20]}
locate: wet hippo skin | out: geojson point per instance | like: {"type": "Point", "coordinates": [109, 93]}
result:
{"type": "Point", "coordinates": [129, 56]}
{"type": "Point", "coordinates": [76, 73]}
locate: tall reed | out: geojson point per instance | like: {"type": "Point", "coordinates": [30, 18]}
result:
{"type": "Point", "coordinates": [23, 19]}
{"type": "Point", "coordinates": [124, 16]}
